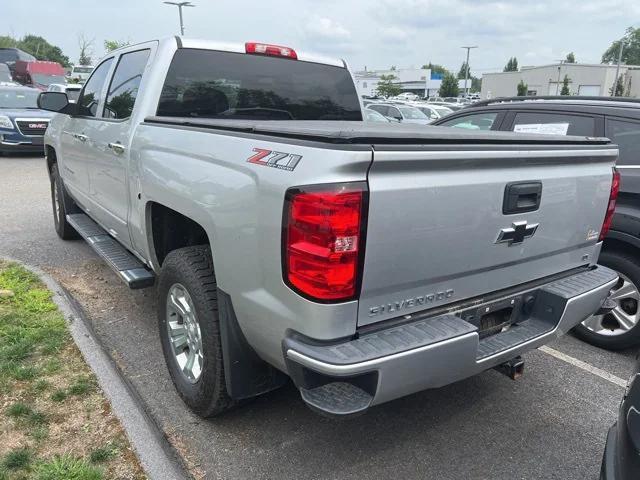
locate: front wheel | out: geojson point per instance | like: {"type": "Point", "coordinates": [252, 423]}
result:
{"type": "Point", "coordinates": [620, 328]}
{"type": "Point", "coordinates": [190, 330]}
{"type": "Point", "coordinates": [60, 199]}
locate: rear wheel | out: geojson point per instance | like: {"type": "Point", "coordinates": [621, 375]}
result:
{"type": "Point", "coordinates": [620, 328]}
{"type": "Point", "coordinates": [60, 200]}
{"type": "Point", "coordinates": [190, 330]}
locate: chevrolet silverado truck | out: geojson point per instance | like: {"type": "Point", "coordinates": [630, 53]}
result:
{"type": "Point", "coordinates": [287, 238]}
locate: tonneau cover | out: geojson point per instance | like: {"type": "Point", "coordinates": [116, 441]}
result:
{"type": "Point", "coordinates": [373, 133]}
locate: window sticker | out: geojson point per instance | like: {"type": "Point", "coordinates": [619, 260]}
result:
{"type": "Point", "coordinates": [543, 128]}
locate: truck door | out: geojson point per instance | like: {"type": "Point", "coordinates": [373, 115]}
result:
{"type": "Point", "coordinates": [74, 141]}
{"type": "Point", "coordinates": [110, 141]}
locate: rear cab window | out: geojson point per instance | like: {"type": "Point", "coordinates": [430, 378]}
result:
{"type": "Point", "coordinates": [214, 84]}
{"type": "Point", "coordinates": [554, 124]}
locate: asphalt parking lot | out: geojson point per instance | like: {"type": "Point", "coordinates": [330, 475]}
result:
{"type": "Point", "coordinates": [550, 424]}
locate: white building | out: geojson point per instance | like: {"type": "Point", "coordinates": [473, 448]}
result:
{"type": "Point", "coordinates": [412, 80]}
{"type": "Point", "coordinates": [584, 79]}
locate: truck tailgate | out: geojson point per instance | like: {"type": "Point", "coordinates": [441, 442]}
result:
{"type": "Point", "coordinates": [438, 233]}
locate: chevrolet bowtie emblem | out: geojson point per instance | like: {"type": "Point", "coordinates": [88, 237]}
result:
{"type": "Point", "coordinates": [517, 233]}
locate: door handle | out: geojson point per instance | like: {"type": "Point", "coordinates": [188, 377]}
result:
{"type": "Point", "coordinates": [116, 147]}
{"type": "Point", "coordinates": [81, 137]}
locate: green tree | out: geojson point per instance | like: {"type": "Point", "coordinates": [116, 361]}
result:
{"type": "Point", "coordinates": [449, 85]}
{"type": "Point", "coordinates": [42, 50]}
{"type": "Point", "coordinates": [464, 69]}
{"type": "Point", "coordinates": [387, 88]}
{"type": "Point", "coordinates": [111, 45]}
{"type": "Point", "coordinates": [435, 68]}
{"type": "Point", "coordinates": [571, 58]}
{"type": "Point", "coordinates": [631, 51]}
{"type": "Point", "coordinates": [619, 87]}
{"type": "Point", "coordinates": [512, 65]}
{"type": "Point", "coordinates": [7, 42]}
{"type": "Point", "coordinates": [523, 88]}
{"type": "Point", "coordinates": [565, 86]}
{"type": "Point", "coordinates": [476, 84]}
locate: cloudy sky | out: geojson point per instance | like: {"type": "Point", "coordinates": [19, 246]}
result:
{"type": "Point", "coordinates": [375, 33]}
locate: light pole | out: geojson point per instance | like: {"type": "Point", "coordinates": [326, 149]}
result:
{"type": "Point", "coordinates": [558, 82]}
{"type": "Point", "coordinates": [466, 71]}
{"type": "Point", "coordinates": [180, 5]}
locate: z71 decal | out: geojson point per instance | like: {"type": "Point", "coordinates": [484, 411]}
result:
{"type": "Point", "coordinates": [269, 158]}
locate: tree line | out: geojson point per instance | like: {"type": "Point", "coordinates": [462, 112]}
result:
{"type": "Point", "coordinates": [41, 49]}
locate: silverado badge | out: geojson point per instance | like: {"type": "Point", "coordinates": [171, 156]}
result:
{"type": "Point", "coordinates": [517, 233]}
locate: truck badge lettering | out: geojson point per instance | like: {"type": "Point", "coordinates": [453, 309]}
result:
{"type": "Point", "coordinates": [269, 158]}
{"type": "Point", "coordinates": [410, 303]}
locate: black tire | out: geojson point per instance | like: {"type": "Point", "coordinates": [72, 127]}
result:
{"type": "Point", "coordinates": [627, 264]}
{"type": "Point", "coordinates": [65, 205]}
{"type": "Point", "coordinates": [192, 267]}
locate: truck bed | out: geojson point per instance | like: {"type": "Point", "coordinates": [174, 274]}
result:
{"type": "Point", "coordinates": [338, 132]}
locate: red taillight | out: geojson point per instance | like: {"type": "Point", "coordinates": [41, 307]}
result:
{"type": "Point", "coordinates": [323, 240]}
{"type": "Point", "coordinates": [611, 207]}
{"type": "Point", "coordinates": [268, 49]}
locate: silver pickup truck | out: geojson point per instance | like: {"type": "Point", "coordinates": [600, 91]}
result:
{"type": "Point", "coordinates": [287, 238]}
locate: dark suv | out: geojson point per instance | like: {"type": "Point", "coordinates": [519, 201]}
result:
{"type": "Point", "coordinates": [619, 120]}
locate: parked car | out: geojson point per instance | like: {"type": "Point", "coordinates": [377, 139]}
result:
{"type": "Point", "coordinates": [407, 96]}
{"type": "Point", "coordinates": [38, 74]}
{"type": "Point", "coordinates": [451, 106]}
{"type": "Point", "coordinates": [10, 56]}
{"type": "Point", "coordinates": [429, 110]}
{"type": "Point", "coordinates": [401, 112]}
{"type": "Point", "coordinates": [621, 459]}
{"type": "Point", "coordinates": [373, 116]}
{"type": "Point", "coordinates": [22, 123]}
{"type": "Point", "coordinates": [435, 99]}
{"type": "Point", "coordinates": [432, 111]}
{"type": "Point", "coordinates": [80, 73]}
{"type": "Point", "coordinates": [458, 100]}
{"type": "Point", "coordinates": [619, 120]}
{"type": "Point", "coordinates": [364, 262]}
{"type": "Point", "coordinates": [71, 89]}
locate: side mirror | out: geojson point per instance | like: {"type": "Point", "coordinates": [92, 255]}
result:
{"type": "Point", "coordinates": [54, 101]}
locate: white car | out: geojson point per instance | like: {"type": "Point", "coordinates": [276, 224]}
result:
{"type": "Point", "coordinates": [71, 89]}
{"type": "Point", "coordinates": [401, 112]}
{"type": "Point", "coordinates": [434, 112]}
{"type": "Point", "coordinates": [81, 73]}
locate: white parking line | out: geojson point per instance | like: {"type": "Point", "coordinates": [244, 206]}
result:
{"type": "Point", "coordinates": [584, 366]}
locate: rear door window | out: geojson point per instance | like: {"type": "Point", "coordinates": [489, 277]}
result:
{"type": "Point", "coordinates": [394, 113]}
{"type": "Point", "coordinates": [626, 134]}
{"type": "Point", "coordinates": [213, 84]}
{"type": "Point", "coordinates": [382, 109]}
{"type": "Point", "coordinates": [554, 124]}
{"type": "Point", "coordinates": [474, 121]}
{"type": "Point", "coordinates": [123, 89]}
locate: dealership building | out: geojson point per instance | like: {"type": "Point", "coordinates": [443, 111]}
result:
{"type": "Point", "coordinates": [584, 79]}
{"type": "Point", "coordinates": [420, 81]}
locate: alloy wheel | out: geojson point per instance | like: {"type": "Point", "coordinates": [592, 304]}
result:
{"type": "Point", "coordinates": [185, 336]}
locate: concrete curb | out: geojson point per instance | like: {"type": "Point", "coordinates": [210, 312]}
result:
{"type": "Point", "coordinates": [158, 458]}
